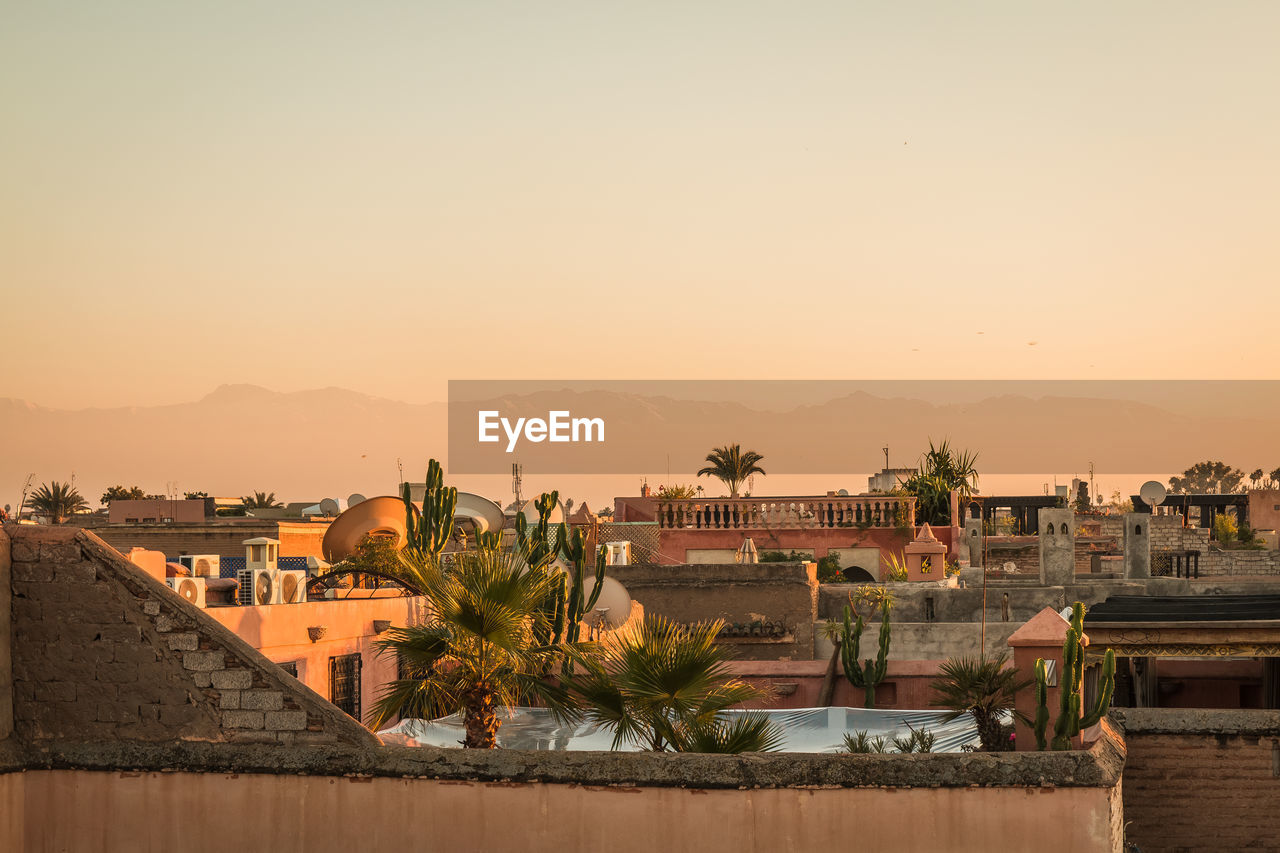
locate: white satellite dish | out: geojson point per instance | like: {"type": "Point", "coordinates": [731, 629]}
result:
{"type": "Point", "coordinates": [331, 508]}
{"type": "Point", "coordinates": [1152, 493]}
{"type": "Point", "coordinates": [614, 601]}
{"type": "Point", "coordinates": [484, 514]}
{"type": "Point", "coordinates": [844, 493]}
{"type": "Point", "coordinates": [354, 499]}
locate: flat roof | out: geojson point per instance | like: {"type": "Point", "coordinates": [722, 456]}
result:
{"type": "Point", "coordinates": [1149, 609]}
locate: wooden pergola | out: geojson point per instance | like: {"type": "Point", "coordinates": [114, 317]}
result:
{"type": "Point", "coordinates": [1142, 628]}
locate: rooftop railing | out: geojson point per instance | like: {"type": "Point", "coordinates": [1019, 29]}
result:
{"type": "Point", "coordinates": [786, 512]}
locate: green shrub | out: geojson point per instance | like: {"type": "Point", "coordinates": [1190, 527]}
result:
{"type": "Point", "coordinates": [1224, 529]}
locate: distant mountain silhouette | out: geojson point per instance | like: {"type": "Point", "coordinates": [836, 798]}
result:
{"type": "Point", "coordinates": [332, 441]}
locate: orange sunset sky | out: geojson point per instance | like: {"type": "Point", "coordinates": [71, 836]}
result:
{"type": "Point", "coordinates": [385, 195]}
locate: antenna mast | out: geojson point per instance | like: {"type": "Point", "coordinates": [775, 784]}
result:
{"type": "Point", "coordinates": [517, 471]}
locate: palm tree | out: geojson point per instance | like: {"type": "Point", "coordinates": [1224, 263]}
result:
{"type": "Point", "coordinates": [1256, 477]}
{"type": "Point", "coordinates": [480, 650]}
{"type": "Point", "coordinates": [982, 688]}
{"type": "Point", "coordinates": [261, 500]}
{"type": "Point", "coordinates": [666, 686]}
{"type": "Point", "coordinates": [57, 501]}
{"type": "Point", "coordinates": [732, 466]}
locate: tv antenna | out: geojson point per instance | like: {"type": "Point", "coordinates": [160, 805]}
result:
{"type": "Point", "coordinates": [517, 475]}
{"type": "Point", "coordinates": [26, 487]}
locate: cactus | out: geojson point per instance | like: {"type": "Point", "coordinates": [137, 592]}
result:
{"type": "Point", "coordinates": [488, 541]}
{"type": "Point", "coordinates": [427, 532]}
{"type": "Point", "coordinates": [1071, 720]}
{"type": "Point", "coordinates": [866, 674]}
{"type": "Point", "coordinates": [1042, 706]}
{"type": "Point", "coordinates": [572, 544]}
{"type": "Point", "coordinates": [538, 546]}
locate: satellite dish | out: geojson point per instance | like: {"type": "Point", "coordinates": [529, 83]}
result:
{"type": "Point", "coordinates": [614, 600]}
{"type": "Point", "coordinates": [483, 514]}
{"type": "Point", "coordinates": [356, 498]}
{"type": "Point", "coordinates": [330, 508]}
{"type": "Point", "coordinates": [1152, 493]}
{"type": "Point", "coordinates": [380, 516]}
{"type": "Point", "coordinates": [844, 493]}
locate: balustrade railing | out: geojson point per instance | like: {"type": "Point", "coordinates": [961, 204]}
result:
{"type": "Point", "coordinates": [786, 512]}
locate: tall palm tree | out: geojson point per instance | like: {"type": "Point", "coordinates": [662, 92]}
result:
{"type": "Point", "coordinates": [57, 501]}
{"type": "Point", "coordinates": [480, 650]}
{"type": "Point", "coordinates": [666, 686]}
{"type": "Point", "coordinates": [732, 465]}
{"type": "Point", "coordinates": [982, 688]}
{"type": "Point", "coordinates": [1256, 477]}
{"type": "Point", "coordinates": [261, 500]}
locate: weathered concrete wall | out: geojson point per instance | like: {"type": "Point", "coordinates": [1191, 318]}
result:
{"type": "Point", "coordinates": [1264, 509]}
{"type": "Point", "coordinates": [102, 651]}
{"type": "Point", "coordinates": [932, 641]}
{"type": "Point", "coordinates": [319, 799]}
{"type": "Point", "coordinates": [740, 593]}
{"type": "Point", "coordinates": [1201, 780]}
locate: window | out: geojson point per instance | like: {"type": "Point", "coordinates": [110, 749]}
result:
{"type": "Point", "coordinates": [344, 683]}
{"type": "Point", "coordinates": [290, 667]}
{"type": "Point", "coordinates": [255, 553]}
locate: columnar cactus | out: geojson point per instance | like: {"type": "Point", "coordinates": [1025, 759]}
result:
{"type": "Point", "coordinates": [538, 546]}
{"type": "Point", "coordinates": [1071, 689]}
{"type": "Point", "coordinates": [866, 674]}
{"type": "Point", "coordinates": [428, 532]}
{"type": "Point", "coordinates": [1042, 706]}
{"type": "Point", "coordinates": [572, 544]}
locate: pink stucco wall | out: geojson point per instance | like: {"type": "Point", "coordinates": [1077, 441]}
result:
{"type": "Point", "coordinates": [279, 631]}
{"type": "Point", "coordinates": [676, 541]}
{"type": "Point", "coordinates": [120, 512]}
{"type": "Point", "coordinates": [94, 811]}
{"type": "Point", "coordinates": [798, 684]}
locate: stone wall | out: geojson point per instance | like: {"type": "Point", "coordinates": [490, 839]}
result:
{"type": "Point", "coordinates": [736, 593]}
{"type": "Point", "coordinates": [1201, 780]}
{"type": "Point", "coordinates": [102, 651]}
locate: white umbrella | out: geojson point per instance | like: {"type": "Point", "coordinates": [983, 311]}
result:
{"type": "Point", "coordinates": [747, 552]}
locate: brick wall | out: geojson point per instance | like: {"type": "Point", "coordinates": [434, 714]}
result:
{"type": "Point", "coordinates": [1201, 780]}
{"type": "Point", "coordinates": [101, 651]}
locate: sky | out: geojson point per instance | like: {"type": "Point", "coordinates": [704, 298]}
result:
{"type": "Point", "coordinates": [385, 195]}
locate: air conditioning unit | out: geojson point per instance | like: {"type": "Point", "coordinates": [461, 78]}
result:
{"type": "Point", "coordinates": [619, 553]}
{"type": "Point", "coordinates": [201, 565]}
{"type": "Point", "coordinates": [293, 586]}
{"type": "Point", "coordinates": [192, 589]}
{"type": "Point", "coordinates": [259, 586]}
